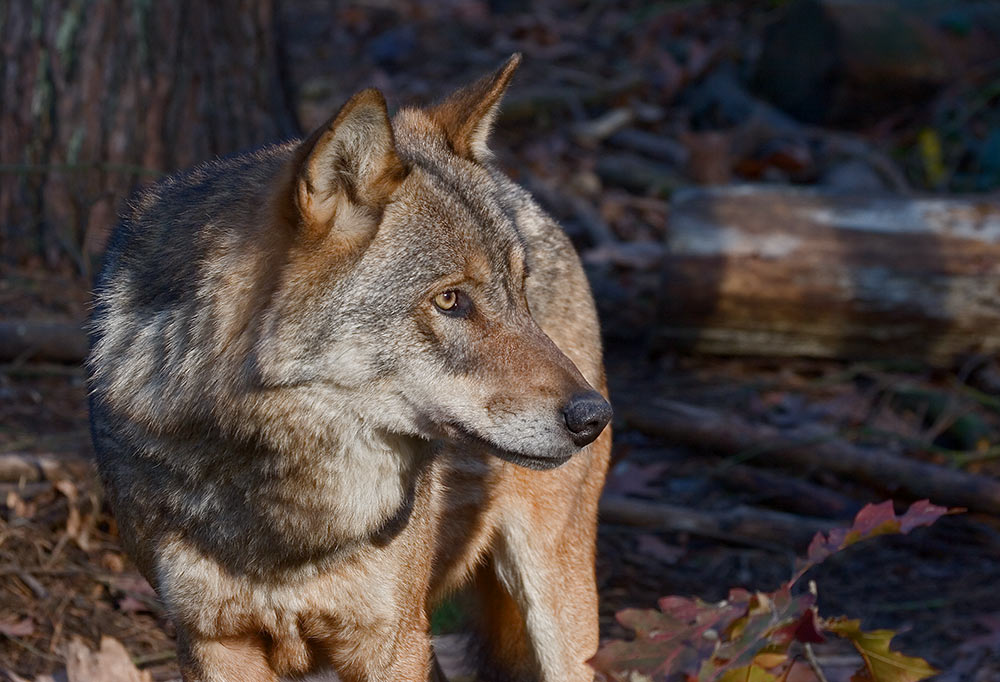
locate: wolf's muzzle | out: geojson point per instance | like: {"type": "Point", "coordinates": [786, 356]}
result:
{"type": "Point", "coordinates": [586, 415]}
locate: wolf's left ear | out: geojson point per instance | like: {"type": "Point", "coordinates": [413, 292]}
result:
{"type": "Point", "coordinates": [349, 163]}
{"type": "Point", "coordinates": [467, 115]}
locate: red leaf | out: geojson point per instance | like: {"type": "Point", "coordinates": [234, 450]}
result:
{"type": "Point", "coordinates": [646, 622]}
{"type": "Point", "coordinates": [808, 629]}
{"type": "Point", "coordinates": [923, 513]}
{"type": "Point", "coordinates": [739, 595]}
{"type": "Point", "coordinates": [675, 639]}
{"type": "Point", "coordinates": [681, 608]}
{"type": "Point", "coordinates": [873, 520]}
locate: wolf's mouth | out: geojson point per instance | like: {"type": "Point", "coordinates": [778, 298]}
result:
{"type": "Point", "coordinates": [537, 462]}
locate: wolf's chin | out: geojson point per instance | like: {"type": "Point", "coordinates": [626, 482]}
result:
{"type": "Point", "coordinates": [533, 461]}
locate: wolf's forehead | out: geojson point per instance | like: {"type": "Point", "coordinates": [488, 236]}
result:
{"type": "Point", "coordinates": [463, 203]}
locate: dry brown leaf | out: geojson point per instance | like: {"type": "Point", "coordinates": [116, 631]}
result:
{"type": "Point", "coordinates": [21, 628]}
{"type": "Point", "coordinates": [110, 664]}
{"type": "Point", "coordinates": [18, 506]}
{"type": "Point", "coordinates": [68, 489]}
{"type": "Point", "coordinates": [132, 583]}
{"type": "Point", "coordinates": [77, 526]}
{"type": "Point", "coordinates": [130, 604]}
{"type": "Point", "coordinates": [113, 561]}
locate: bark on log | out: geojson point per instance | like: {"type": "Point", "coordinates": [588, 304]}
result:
{"type": "Point", "coordinates": [814, 448]}
{"type": "Point", "coordinates": [778, 271]}
{"type": "Point", "coordinates": [741, 523]}
{"type": "Point", "coordinates": [99, 97]}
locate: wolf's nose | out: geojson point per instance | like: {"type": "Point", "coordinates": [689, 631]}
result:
{"type": "Point", "coordinates": [586, 416]}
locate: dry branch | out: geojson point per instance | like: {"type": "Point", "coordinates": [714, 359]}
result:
{"type": "Point", "coordinates": [42, 340]}
{"type": "Point", "coordinates": [786, 492]}
{"type": "Point", "coordinates": [815, 448]}
{"type": "Point", "coordinates": [741, 523]}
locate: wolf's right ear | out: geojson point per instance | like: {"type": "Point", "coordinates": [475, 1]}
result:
{"type": "Point", "coordinates": [349, 163]}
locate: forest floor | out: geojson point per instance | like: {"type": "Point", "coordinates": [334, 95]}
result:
{"type": "Point", "coordinates": [676, 73]}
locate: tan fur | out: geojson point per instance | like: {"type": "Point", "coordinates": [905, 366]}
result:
{"type": "Point", "coordinates": [304, 454]}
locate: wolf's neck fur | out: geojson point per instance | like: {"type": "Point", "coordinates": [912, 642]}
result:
{"type": "Point", "coordinates": [313, 480]}
{"type": "Point", "coordinates": [336, 478]}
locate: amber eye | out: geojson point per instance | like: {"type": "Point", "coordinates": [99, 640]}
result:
{"type": "Point", "coordinates": [446, 300]}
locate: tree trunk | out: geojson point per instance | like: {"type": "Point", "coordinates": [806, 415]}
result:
{"type": "Point", "coordinates": [776, 271]}
{"type": "Point", "coordinates": [865, 57]}
{"type": "Point", "coordinates": [99, 97]}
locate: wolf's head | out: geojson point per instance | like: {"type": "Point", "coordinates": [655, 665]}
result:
{"type": "Point", "coordinates": [407, 288]}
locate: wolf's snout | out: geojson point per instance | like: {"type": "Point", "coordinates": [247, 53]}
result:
{"type": "Point", "coordinates": [586, 416]}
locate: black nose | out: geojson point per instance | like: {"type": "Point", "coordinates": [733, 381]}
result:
{"type": "Point", "coordinates": [586, 416]}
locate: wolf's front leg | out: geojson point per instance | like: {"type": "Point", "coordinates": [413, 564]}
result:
{"type": "Point", "coordinates": [555, 592]}
{"type": "Point", "coordinates": [226, 660]}
{"type": "Point", "coordinates": [539, 592]}
{"type": "Point", "coordinates": [365, 651]}
{"type": "Point", "coordinates": [357, 653]}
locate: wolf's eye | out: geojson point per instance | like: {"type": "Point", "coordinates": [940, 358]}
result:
{"type": "Point", "coordinates": [453, 303]}
{"type": "Point", "coordinates": [446, 300]}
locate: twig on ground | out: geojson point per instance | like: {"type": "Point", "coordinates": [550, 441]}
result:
{"type": "Point", "coordinates": [742, 524]}
{"type": "Point", "coordinates": [813, 663]}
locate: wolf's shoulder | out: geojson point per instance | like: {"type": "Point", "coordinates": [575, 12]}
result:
{"type": "Point", "coordinates": [181, 210]}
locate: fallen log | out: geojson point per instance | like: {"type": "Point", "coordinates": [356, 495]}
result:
{"type": "Point", "coordinates": [738, 524]}
{"type": "Point", "coordinates": [56, 341]}
{"type": "Point", "coordinates": [756, 270]}
{"type": "Point", "coordinates": [816, 448]}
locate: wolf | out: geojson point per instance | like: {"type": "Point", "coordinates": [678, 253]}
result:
{"type": "Point", "coordinates": [334, 380]}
